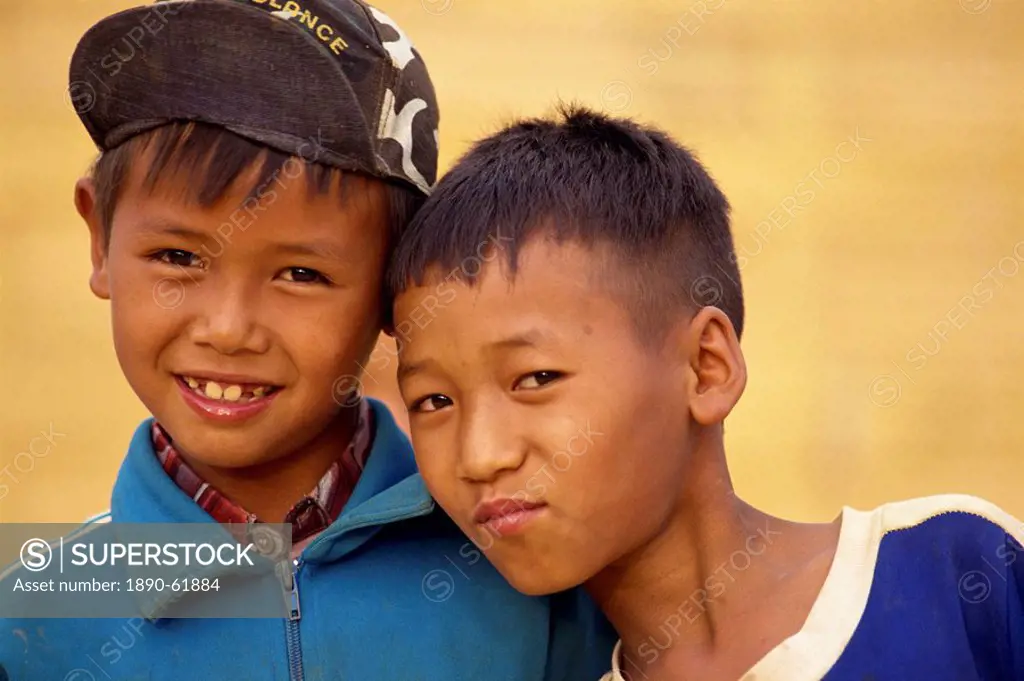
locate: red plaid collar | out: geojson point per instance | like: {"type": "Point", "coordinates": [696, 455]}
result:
{"type": "Point", "coordinates": [310, 515]}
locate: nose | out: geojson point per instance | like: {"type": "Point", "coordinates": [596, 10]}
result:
{"type": "Point", "coordinates": [491, 444]}
{"type": "Point", "coordinates": [229, 321]}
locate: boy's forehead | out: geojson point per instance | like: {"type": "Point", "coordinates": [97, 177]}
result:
{"type": "Point", "coordinates": [504, 262]}
{"type": "Point", "coordinates": [560, 292]}
{"type": "Point", "coordinates": [254, 180]}
{"type": "Point", "coordinates": [253, 213]}
{"type": "Point", "coordinates": [543, 278]}
{"type": "Point", "coordinates": [550, 281]}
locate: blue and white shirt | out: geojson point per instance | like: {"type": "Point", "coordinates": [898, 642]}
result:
{"type": "Point", "coordinates": [929, 588]}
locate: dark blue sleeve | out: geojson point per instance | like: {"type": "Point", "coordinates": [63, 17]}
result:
{"type": "Point", "coordinates": [581, 639]}
{"type": "Point", "coordinates": [1015, 604]}
{"type": "Point", "coordinates": [990, 563]}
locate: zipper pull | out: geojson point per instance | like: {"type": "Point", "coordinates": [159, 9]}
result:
{"type": "Point", "coordinates": [295, 612]}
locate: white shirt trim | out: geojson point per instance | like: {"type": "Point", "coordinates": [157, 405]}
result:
{"type": "Point", "coordinates": [809, 654]}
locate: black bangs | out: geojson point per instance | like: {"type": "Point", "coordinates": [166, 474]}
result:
{"type": "Point", "coordinates": [585, 177]}
{"type": "Point", "coordinates": [213, 158]}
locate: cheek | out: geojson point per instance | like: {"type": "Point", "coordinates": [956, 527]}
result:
{"type": "Point", "coordinates": [145, 315]}
{"type": "Point", "coordinates": [624, 454]}
{"type": "Point", "coordinates": [434, 467]}
{"type": "Point", "coordinates": [436, 463]}
{"type": "Point", "coordinates": [326, 342]}
{"type": "Point", "coordinates": [649, 466]}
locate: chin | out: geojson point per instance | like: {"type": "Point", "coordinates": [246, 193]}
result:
{"type": "Point", "coordinates": [539, 579]}
{"type": "Point", "coordinates": [534, 587]}
{"type": "Point", "coordinates": [216, 448]}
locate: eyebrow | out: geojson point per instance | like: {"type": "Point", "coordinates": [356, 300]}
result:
{"type": "Point", "coordinates": [173, 229]}
{"type": "Point", "coordinates": [407, 369]}
{"type": "Point", "coordinates": [317, 249]}
{"type": "Point", "coordinates": [526, 339]}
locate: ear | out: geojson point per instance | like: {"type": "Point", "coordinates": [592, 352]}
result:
{"type": "Point", "coordinates": [718, 370]}
{"type": "Point", "coordinates": [85, 203]}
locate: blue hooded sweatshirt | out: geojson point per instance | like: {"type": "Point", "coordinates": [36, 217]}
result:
{"type": "Point", "coordinates": [391, 591]}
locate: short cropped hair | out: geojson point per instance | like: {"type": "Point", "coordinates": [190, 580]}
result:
{"type": "Point", "coordinates": [623, 189]}
{"type": "Point", "coordinates": [214, 158]}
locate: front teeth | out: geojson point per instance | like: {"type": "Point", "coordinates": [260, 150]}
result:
{"type": "Point", "coordinates": [230, 393]}
{"type": "Point", "coordinates": [213, 391]}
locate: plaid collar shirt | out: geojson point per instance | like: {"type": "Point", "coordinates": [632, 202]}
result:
{"type": "Point", "coordinates": [310, 515]}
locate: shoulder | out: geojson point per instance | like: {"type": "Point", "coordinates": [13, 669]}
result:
{"type": "Point", "coordinates": [16, 569]}
{"type": "Point", "coordinates": [912, 512]}
{"type": "Point", "coordinates": [950, 561]}
{"type": "Point", "coordinates": [34, 647]}
{"type": "Point", "coordinates": [951, 524]}
{"type": "Point", "coordinates": [98, 518]}
{"type": "Point", "coordinates": [953, 549]}
{"type": "Point", "coordinates": [30, 646]}
{"type": "Point", "coordinates": [32, 564]}
{"type": "Point", "coordinates": [922, 588]}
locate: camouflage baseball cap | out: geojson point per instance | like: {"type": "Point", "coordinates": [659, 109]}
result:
{"type": "Point", "coordinates": [334, 81]}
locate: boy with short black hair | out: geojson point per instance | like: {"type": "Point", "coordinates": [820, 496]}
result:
{"type": "Point", "coordinates": [567, 402]}
{"type": "Point", "coordinates": [259, 160]}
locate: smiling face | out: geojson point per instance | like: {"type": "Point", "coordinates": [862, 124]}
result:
{"type": "Point", "coordinates": [233, 326]}
{"type": "Point", "coordinates": [550, 434]}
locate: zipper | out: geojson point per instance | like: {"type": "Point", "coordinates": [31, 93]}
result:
{"type": "Point", "coordinates": [293, 640]}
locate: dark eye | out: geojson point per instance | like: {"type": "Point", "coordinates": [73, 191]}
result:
{"type": "Point", "coordinates": [178, 257]}
{"type": "Point", "coordinates": [304, 275]}
{"type": "Point", "coordinates": [537, 379]}
{"type": "Point", "coordinates": [431, 403]}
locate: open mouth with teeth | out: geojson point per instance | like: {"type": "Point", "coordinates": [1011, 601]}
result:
{"type": "Point", "coordinates": [227, 392]}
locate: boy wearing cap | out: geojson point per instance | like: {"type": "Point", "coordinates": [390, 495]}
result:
{"type": "Point", "coordinates": [259, 160]}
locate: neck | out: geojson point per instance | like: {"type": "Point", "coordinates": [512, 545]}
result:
{"type": "Point", "coordinates": [676, 598]}
{"type": "Point", "coordinates": [269, 490]}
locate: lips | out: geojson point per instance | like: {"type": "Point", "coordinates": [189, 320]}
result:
{"type": "Point", "coordinates": [505, 516]}
{"type": "Point", "coordinates": [224, 398]}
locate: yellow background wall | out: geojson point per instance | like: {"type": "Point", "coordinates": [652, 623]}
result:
{"type": "Point", "coordinates": [845, 293]}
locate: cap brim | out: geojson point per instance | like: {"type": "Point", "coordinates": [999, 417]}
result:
{"type": "Point", "coordinates": [223, 63]}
